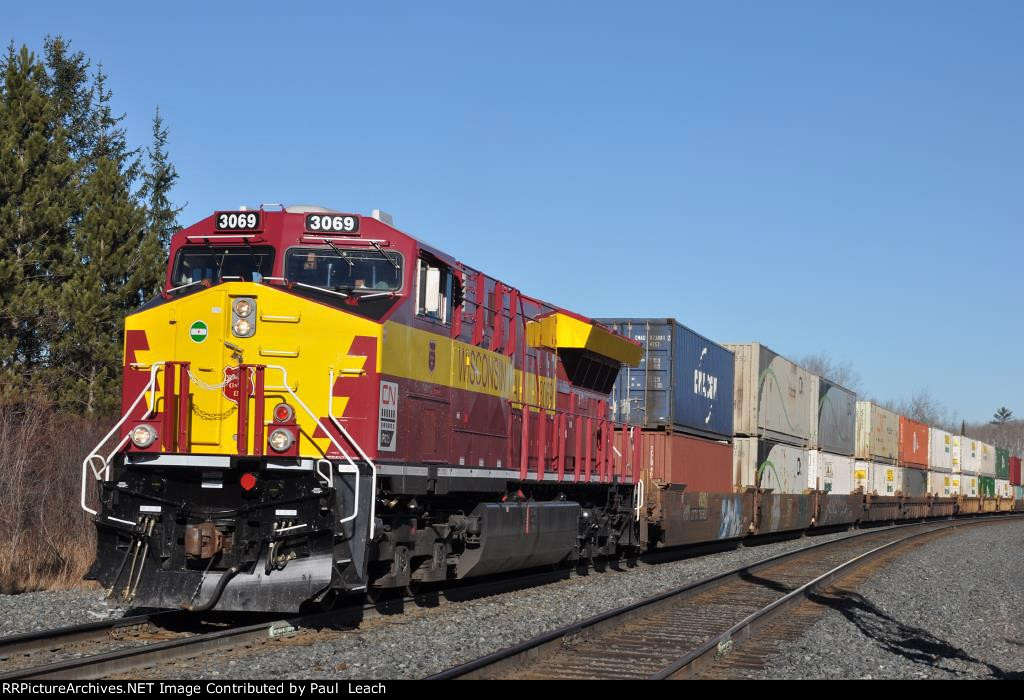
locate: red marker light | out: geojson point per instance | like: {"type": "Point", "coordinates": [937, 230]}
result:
{"type": "Point", "coordinates": [283, 413]}
{"type": "Point", "coordinates": [248, 481]}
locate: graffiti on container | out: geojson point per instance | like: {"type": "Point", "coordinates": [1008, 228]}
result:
{"type": "Point", "coordinates": [770, 466]}
{"type": "Point", "coordinates": [695, 513]}
{"type": "Point", "coordinates": [731, 524]}
{"type": "Point", "coordinates": [769, 372]}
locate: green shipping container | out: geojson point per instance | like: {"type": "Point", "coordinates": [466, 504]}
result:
{"type": "Point", "coordinates": [1002, 464]}
{"type": "Point", "coordinates": [987, 486]}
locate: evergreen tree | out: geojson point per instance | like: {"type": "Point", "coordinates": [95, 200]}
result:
{"type": "Point", "coordinates": [1002, 415]}
{"type": "Point", "coordinates": [100, 290]}
{"type": "Point", "coordinates": [158, 180]}
{"type": "Point", "coordinates": [36, 185]}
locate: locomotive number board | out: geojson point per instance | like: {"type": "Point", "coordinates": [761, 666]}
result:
{"type": "Point", "coordinates": [238, 221]}
{"type": "Point", "coordinates": [332, 223]}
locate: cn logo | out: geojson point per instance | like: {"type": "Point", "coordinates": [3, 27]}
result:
{"type": "Point", "coordinates": [387, 425]}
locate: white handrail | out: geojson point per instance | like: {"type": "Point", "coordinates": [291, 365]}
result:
{"type": "Point", "coordinates": [94, 454]}
{"type": "Point", "coordinates": [639, 497]}
{"type": "Point", "coordinates": [366, 457]}
{"type": "Point", "coordinates": [344, 453]}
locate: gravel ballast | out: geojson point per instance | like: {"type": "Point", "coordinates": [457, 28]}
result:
{"type": "Point", "coordinates": [952, 608]}
{"type": "Point", "coordinates": [422, 642]}
{"type": "Point", "coordinates": [32, 612]}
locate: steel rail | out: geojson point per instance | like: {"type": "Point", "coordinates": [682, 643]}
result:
{"type": "Point", "coordinates": [521, 655]}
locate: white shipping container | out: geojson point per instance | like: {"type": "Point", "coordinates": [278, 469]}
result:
{"type": "Point", "coordinates": [769, 464]}
{"type": "Point", "coordinates": [1003, 488]}
{"type": "Point", "coordinates": [940, 450]}
{"type": "Point", "coordinates": [771, 395]}
{"type": "Point", "coordinates": [878, 433]}
{"type": "Point", "coordinates": [876, 478]}
{"type": "Point", "coordinates": [941, 484]}
{"type": "Point", "coordinates": [829, 473]}
{"type": "Point", "coordinates": [966, 455]}
{"type": "Point", "coordinates": [968, 485]}
{"type": "Point", "coordinates": [987, 454]}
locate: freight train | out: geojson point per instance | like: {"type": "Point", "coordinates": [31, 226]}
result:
{"type": "Point", "coordinates": [318, 404]}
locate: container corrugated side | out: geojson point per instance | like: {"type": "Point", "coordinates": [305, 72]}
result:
{"type": "Point", "coordinates": [1002, 464]}
{"type": "Point", "coordinates": [914, 482]}
{"type": "Point", "coordinates": [940, 483]}
{"type": "Point", "coordinates": [968, 485]}
{"type": "Point", "coordinates": [1015, 471]}
{"type": "Point", "coordinates": [672, 460]}
{"type": "Point", "coordinates": [913, 443]}
{"type": "Point", "coordinates": [771, 396]}
{"type": "Point", "coordinates": [876, 477]}
{"type": "Point", "coordinates": [966, 454]}
{"type": "Point", "coordinates": [987, 486]}
{"type": "Point", "coordinates": [1003, 488]}
{"type": "Point", "coordinates": [684, 381]}
{"type": "Point", "coordinates": [769, 464]}
{"type": "Point", "coordinates": [829, 472]}
{"type": "Point", "coordinates": [833, 426]}
{"type": "Point", "coordinates": [987, 455]}
{"type": "Point", "coordinates": [940, 449]}
{"type": "Point", "coordinates": [878, 431]}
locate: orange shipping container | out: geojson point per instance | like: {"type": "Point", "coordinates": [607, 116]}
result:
{"type": "Point", "coordinates": [913, 443]}
{"type": "Point", "coordinates": [701, 464]}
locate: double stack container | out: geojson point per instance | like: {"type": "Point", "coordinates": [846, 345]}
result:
{"type": "Point", "coordinates": [940, 464]}
{"type": "Point", "coordinates": [771, 420]}
{"type": "Point", "coordinates": [832, 436]}
{"type": "Point", "coordinates": [987, 455]}
{"type": "Point", "coordinates": [877, 478]}
{"type": "Point", "coordinates": [1015, 470]}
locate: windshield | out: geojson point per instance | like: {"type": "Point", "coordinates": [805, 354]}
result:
{"type": "Point", "coordinates": [343, 269]}
{"type": "Point", "coordinates": [246, 264]}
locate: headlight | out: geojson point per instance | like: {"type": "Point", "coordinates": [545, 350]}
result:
{"type": "Point", "coordinates": [143, 435]}
{"type": "Point", "coordinates": [281, 439]}
{"type": "Point", "coordinates": [242, 328]}
{"type": "Point", "coordinates": [243, 308]}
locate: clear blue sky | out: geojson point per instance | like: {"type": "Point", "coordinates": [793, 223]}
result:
{"type": "Point", "coordinates": [842, 177]}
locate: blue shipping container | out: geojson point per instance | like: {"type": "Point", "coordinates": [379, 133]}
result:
{"type": "Point", "coordinates": [684, 381]}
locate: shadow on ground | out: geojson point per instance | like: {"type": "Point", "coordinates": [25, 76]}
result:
{"type": "Point", "coordinates": [912, 643]}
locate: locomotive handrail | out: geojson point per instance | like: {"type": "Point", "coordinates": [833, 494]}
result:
{"type": "Point", "coordinates": [359, 449]}
{"type": "Point", "coordinates": [344, 453]}
{"type": "Point", "coordinates": [95, 452]}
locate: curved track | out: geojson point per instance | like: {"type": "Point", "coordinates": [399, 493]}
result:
{"type": "Point", "coordinates": [674, 634]}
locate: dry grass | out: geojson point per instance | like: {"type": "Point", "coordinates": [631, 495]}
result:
{"type": "Point", "coordinates": [46, 540]}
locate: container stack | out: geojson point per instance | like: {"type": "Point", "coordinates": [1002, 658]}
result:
{"type": "Point", "coordinates": [1015, 479]}
{"type": "Point", "coordinates": [1003, 488]}
{"type": "Point", "coordinates": [913, 457]}
{"type": "Point", "coordinates": [987, 470]}
{"type": "Point", "coordinates": [877, 450]}
{"type": "Point", "coordinates": [940, 464]}
{"type": "Point", "coordinates": [966, 464]}
{"type": "Point", "coordinates": [833, 416]}
{"type": "Point", "coordinates": [771, 421]}
{"type": "Point", "coordinates": [681, 396]}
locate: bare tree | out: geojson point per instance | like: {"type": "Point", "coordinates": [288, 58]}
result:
{"type": "Point", "coordinates": [841, 373]}
{"type": "Point", "coordinates": [925, 408]}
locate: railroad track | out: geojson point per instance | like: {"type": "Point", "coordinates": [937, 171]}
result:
{"type": "Point", "coordinates": [698, 627]}
{"type": "Point", "coordinates": [150, 641]}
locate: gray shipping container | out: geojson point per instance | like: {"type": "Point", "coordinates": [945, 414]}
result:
{"type": "Point", "coordinates": [878, 433]}
{"type": "Point", "coordinates": [833, 417]}
{"type": "Point", "coordinates": [772, 396]}
{"type": "Point", "coordinates": [684, 382]}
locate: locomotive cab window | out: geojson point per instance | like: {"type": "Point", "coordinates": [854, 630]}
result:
{"type": "Point", "coordinates": [224, 263]}
{"type": "Point", "coordinates": [434, 292]}
{"type": "Point", "coordinates": [362, 272]}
